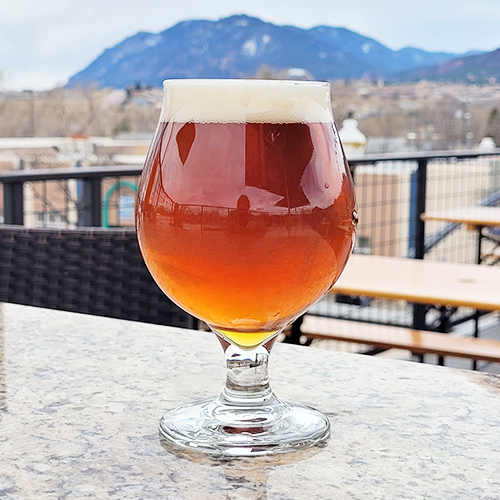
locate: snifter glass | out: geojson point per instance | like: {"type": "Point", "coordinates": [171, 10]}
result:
{"type": "Point", "coordinates": [245, 218]}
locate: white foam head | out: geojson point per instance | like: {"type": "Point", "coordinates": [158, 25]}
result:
{"type": "Point", "coordinates": [246, 101]}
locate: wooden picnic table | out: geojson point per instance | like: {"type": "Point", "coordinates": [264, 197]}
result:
{"type": "Point", "coordinates": [475, 218]}
{"type": "Point", "coordinates": [441, 284]}
{"type": "Point", "coordinates": [421, 281]}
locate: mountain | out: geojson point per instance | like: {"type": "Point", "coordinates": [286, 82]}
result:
{"type": "Point", "coordinates": [475, 68]}
{"type": "Point", "coordinates": [237, 46]}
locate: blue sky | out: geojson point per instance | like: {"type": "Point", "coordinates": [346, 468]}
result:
{"type": "Point", "coordinates": [44, 42]}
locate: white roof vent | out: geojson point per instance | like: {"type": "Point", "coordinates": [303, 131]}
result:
{"type": "Point", "coordinates": [353, 140]}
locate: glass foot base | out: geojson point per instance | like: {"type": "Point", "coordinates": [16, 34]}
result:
{"type": "Point", "coordinates": [238, 430]}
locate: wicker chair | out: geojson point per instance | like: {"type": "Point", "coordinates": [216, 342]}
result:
{"type": "Point", "coordinates": [87, 270]}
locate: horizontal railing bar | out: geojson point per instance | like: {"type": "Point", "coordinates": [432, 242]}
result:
{"type": "Point", "coordinates": [423, 155]}
{"type": "Point", "coordinates": [48, 174]}
{"type": "Point", "coordinates": [15, 176]}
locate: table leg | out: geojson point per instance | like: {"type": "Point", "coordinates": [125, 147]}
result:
{"type": "Point", "coordinates": [479, 259]}
{"type": "Point", "coordinates": [294, 336]}
{"type": "Point", "coordinates": [479, 256]}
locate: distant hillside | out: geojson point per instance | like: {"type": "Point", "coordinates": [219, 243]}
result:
{"type": "Point", "coordinates": [477, 68]}
{"type": "Point", "coordinates": [238, 45]}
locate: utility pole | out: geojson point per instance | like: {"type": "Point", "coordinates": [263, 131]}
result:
{"type": "Point", "coordinates": [31, 105]}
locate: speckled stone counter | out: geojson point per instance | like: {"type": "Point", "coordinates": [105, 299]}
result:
{"type": "Point", "coordinates": [80, 399]}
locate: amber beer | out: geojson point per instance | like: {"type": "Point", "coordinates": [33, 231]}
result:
{"type": "Point", "coordinates": [249, 249]}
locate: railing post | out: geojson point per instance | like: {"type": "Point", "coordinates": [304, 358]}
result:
{"type": "Point", "coordinates": [13, 203]}
{"type": "Point", "coordinates": [418, 208]}
{"type": "Point", "coordinates": [13, 200]}
{"type": "Point", "coordinates": [89, 206]}
{"type": "Point", "coordinates": [421, 194]}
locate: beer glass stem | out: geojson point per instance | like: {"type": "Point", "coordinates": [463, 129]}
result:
{"type": "Point", "coordinates": [247, 379]}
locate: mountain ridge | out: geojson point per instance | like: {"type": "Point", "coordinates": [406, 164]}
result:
{"type": "Point", "coordinates": [475, 68]}
{"type": "Point", "coordinates": [238, 45]}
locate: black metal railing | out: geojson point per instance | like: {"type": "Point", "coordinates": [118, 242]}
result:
{"type": "Point", "coordinates": [87, 200]}
{"type": "Point", "coordinates": [424, 181]}
{"type": "Point", "coordinates": [393, 191]}
{"type": "Point", "coordinates": [420, 242]}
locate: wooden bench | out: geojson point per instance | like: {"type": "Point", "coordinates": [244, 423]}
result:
{"type": "Point", "coordinates": [390, 337]}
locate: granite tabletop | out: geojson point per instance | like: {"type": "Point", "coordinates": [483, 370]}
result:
{"type": "Point", "coordinates": [81, 396]}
